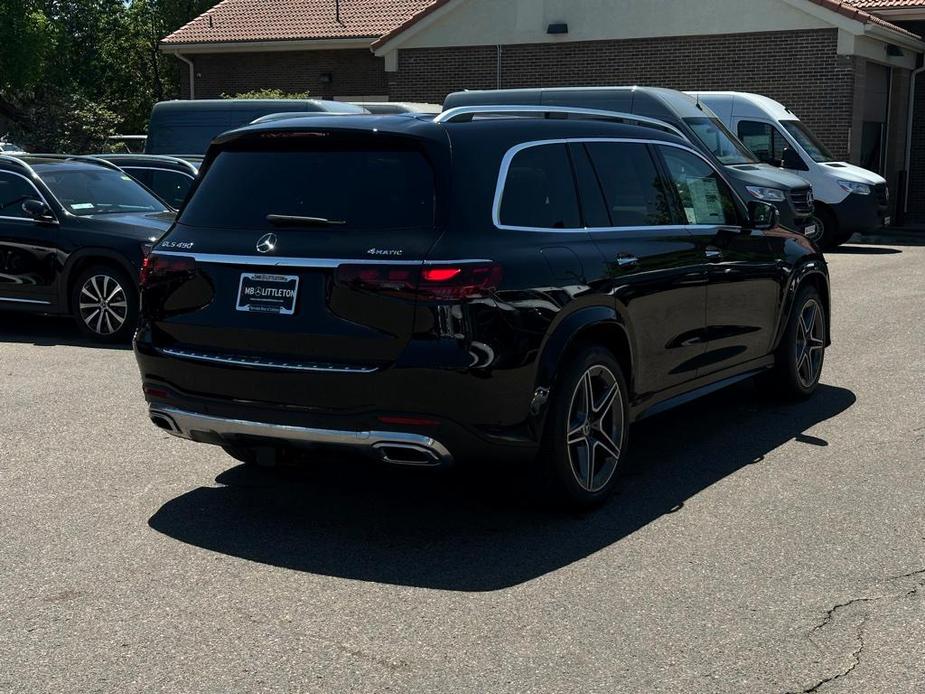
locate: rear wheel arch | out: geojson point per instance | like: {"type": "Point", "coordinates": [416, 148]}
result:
{"type": "Point", "coordinates": [592, 326]}
{"type": "Point", "coordinates": [809, 274]}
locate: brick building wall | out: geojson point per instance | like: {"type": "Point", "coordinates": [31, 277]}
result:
{"type": "Point", "coordinates": [799, 68]}
{"type": "Point", "coordinates": [354, 73]}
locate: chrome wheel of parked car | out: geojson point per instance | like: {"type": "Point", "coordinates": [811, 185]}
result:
{"type": "Point", "coordinates": [810, 347]}
{"type": "Point", "coordinates": [103, 304]}
{"type": "Point", "coordinates": [595, 428]}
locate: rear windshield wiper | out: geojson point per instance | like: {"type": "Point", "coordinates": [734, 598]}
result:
{"type": "Point", "coordinates": [291, 220]}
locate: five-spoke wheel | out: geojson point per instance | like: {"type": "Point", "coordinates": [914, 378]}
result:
{"type": "Point", "coordinates": [595, 428]}
{"type": "Point", "coordinates": [810, 343]}
{"type": "Point", "coordinates": [586, 430]}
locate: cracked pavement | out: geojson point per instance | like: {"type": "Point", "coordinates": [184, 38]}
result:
{"type": "Point", "coordinates": [754, 546]}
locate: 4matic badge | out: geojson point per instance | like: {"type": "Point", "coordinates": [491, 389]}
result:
{"type": "Point", "coordinates": [384, 251]}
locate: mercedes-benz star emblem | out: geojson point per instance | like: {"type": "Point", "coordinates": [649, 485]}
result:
{"type": "Point", "coordinates": [266, 243]}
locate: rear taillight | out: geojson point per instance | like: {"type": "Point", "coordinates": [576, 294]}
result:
{"type": "Point", "coordinates": [157, 268]}
{"type": "Point", "coordinates": [432, 282]}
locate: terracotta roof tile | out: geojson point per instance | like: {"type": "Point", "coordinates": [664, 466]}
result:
{"type": "Point", "coordinates": [282, 20]}
{"type": "Point", "coordinates": [292, 20]}
{"type": "Point", "coordinates": [888, 4]}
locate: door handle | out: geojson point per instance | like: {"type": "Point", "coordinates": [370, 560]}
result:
{"type": "Point", "coordinates": [627, 260]}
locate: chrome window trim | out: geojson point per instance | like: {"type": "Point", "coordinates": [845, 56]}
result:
{"type": "Point", "coordinates": [159, 168]}
{"type": "Point", "coordinates": [321, 263]}
{"type": "Point", "coordinates": [25, 301]}
{"type": "Point", "coordinates": [37, 192]}
{"type": "Point", "coordinates": [516, 149]}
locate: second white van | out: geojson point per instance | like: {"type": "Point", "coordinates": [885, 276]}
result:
{"type": "Point", "coordinates": [848, 199]}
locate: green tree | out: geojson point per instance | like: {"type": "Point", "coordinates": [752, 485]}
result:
{"type": "Point", "coordinates": [73, 71]}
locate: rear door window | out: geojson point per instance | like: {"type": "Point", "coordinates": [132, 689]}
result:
{"type": "Point", "coordinates": [703, 194]}
{"type": "Point", "coordinates": [171, 186]}
{"type": "Point", "coordinates": [634, 190]}
{"type": "Point", "coordinates": [352, 189]}
{"type": "Point", "coordinates": [539, 190]}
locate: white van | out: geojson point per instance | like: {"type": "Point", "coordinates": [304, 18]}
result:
{"type": "Point", "coordinates": [849, 199]}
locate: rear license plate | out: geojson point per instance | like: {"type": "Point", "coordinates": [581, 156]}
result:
{"type": "Point", "coordinates": [259, 293]}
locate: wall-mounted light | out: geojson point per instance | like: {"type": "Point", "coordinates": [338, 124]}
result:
{"type": "Point", "coordinates": [558, 28]}
{"type": "Point", "coordinates": [326, 77]}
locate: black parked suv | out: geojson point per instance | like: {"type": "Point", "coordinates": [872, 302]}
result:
{"type": "Point", "coordinates": [517, 286]}
{"type": "Point", "coordinates": [73, 233]}
{"type": "Point", "coordinates": [170, 178]}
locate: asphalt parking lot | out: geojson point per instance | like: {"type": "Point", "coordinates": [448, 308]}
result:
{"type": "Point", "coordinates": [755, 547]}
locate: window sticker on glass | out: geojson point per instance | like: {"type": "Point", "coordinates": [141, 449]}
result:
{"type": "Point", "coordinates": [706, 204]}
{"type": "Point", "coordinates": [82, 206]}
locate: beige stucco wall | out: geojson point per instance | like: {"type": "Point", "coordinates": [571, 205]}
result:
{"type": "Point", "coordinates": [489, 22]}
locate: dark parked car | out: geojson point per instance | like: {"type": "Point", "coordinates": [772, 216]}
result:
{"type": "Point", "coordinates": [73, 233]}
{"type": "Point", "coordinates": [187, 127]}
{"type": "Point", "coordinates": [467, 288]}
{"type": "Point", "coordinates": [170, 178]}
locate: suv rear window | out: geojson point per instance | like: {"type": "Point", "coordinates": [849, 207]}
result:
{"type": "Point", "coordinates": [363, 189]}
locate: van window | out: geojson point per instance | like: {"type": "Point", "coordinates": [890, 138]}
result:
{"type": "Point", "coordinates": [808, 141]}
{"type": "Point", "coordinates": [704, 196]}
{"type": "Point", "coordinates": [539, 191]}
{"type": "Point", "coordinates": [764, 140]}
{"type": "Point", "coordinates": [632, 185]}
{"type": "Point", "coordinates": [355, 189]}
{"type": "Point", "coordinates": [723, 144]}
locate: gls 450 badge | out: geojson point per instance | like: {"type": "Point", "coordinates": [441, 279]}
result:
{"type": "Point", "coordinates": [384, 251]}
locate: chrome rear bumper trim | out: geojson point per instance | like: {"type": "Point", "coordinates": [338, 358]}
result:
{"type": "Point", "coordinates": [257, 362]}
{"type": "Point", "coordinates": [385, 444]}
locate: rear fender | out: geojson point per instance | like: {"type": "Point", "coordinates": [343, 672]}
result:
{"type": "Point", "coordinates": [816, 273]}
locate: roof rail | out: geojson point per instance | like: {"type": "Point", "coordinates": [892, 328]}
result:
{"type": "Point", "coordinates": [16, 160]}
{"type": "Point", "coordinates": [466, 113]}
{"type": "Point", "coordinates": [145, 157]}
{"type": "Point", "coordinates": [77, 157]}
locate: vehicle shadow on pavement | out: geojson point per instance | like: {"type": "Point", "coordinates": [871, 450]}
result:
{"type": "Point", "coordinates": [461, 530]}
{"type": "Point", "coordinates": [46, 331]}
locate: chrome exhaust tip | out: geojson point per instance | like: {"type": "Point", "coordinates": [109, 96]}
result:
{"type": "Point", "coordinates": [407, 454]}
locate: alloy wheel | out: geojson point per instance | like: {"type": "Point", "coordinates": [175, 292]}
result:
{"type": "Point", "coordinates": [810, 347]}
{"type": "Point", "coordinates": [103, 304]}
{"type": "Point", "coordinates": [595, 428]}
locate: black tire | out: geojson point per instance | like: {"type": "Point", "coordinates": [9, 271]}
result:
{"type": "Point", "coordinates": [104, 303]}
{"type": "Point", "coordinates": [828, 234]}
{"type": "Point", "coordinates": [564, 478]}
{"type": "Point", "coordinates": [798, 360]}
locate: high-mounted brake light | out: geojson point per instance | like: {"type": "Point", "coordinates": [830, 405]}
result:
{"type": "Point", "coordinates": [156, 268]}
{"type": "Point", "coordinates": [450, 282]}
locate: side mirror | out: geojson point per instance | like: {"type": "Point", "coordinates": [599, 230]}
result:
{"type": "Point", "coordinates": [38, 210]}
{"type": "Point", "coordinates": [792, 160]}
{"type": "Point", "coordinates": [762, 216]}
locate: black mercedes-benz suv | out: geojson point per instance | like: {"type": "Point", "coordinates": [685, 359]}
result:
{"type": "Point", "coordinates": [73, 232]}
{"type": "Point", "coordinates": [486, 285]}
